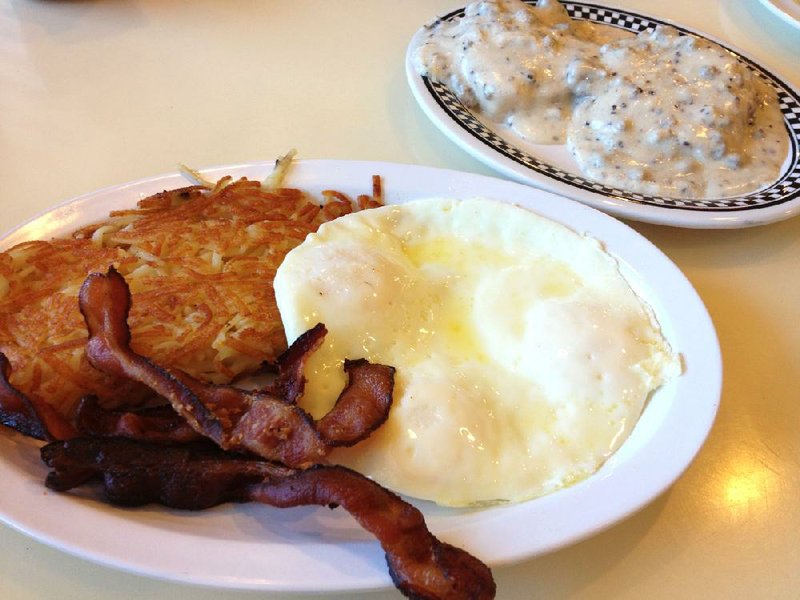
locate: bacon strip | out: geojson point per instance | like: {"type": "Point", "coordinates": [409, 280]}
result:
{"type": "Point", "coordinates": [256, 421]}
{"type": "Point", "coordinates": [189, 476]}
{"type": "Point", "coordinates": [158, 424]}
{"type": "Point", "coordinates": [355, 415]}
{"type": "Point", "coordinates": [27, 415]}
{"type": "Point", "coordinates": [136, 473]}
{"type": "Point", "coordinates": [421, 566]}
{"type": "Point", "coordinates": [290, 382]}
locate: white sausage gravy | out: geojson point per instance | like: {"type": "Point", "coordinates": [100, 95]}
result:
{"type": "Point", "coordinates": [657, 113]}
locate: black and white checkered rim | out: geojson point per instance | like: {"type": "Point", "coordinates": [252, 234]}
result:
{"type": "Point", "coordinates": [786, 188]}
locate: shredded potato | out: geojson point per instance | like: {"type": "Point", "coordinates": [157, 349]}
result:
{"type": "Point", "coordinates": [275, 179]}
{"type": "Point", "coordinates": [200, 263]}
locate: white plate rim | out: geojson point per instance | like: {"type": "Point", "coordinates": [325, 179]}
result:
{"type": "Point", "coordinates": [782, 197]}
{"type": "Point", "coordinates": [787, 10]}
{"type": "Point", "coordinates": [314, 560]}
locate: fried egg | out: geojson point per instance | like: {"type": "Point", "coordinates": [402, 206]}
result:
{"type": "Point", "coordinates": [524, 358]}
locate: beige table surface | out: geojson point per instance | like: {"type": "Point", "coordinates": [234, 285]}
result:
{"type": "Point", "coordinates": [94, 93]}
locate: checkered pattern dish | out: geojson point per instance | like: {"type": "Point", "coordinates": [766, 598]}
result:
{"type": "Point", "coordinates": [786, 188]}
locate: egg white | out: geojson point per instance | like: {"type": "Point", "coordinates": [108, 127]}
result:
{"type": "Point", "coordinates": [523, 356]}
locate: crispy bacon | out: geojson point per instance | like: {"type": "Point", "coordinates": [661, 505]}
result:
{"type": "Point", "coordinates": [290, 381]}
{"type": "Point", "coordinates": [159, 424]}
{"type": "Point", "coordinates": [193, 478]}
{"type": "Point", "coordinates": [27, 415]}
{"type": "Point", "coordinates": [355, 415]}
{"type": "Point", "coordinates": [255, 421]}
{"type": "Point", "coordinates": [188, 476]}
{"type": "Point", "coordinates": [421, 565]}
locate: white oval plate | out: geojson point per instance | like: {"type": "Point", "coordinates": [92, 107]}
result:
{"type": "Point", "coordinates": [318, 550]}
{"type": "Point", "coordinates": [552, 168]}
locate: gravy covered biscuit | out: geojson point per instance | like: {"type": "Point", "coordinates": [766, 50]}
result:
{"type": "Point", "coordinates": [658, 113]}
{"type": "Point", "coordinates": [678, 116]}
{"type": "Point", "coordinates": [523, 356]}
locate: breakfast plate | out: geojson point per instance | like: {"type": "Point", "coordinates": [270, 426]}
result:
{"type": "Point", "coordinates": [552, 167]}
{"type": "Point", "coordinates": [319, 550]}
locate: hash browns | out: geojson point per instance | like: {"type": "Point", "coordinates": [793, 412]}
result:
{"type": "Point", "coordinates": [200, 262]}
